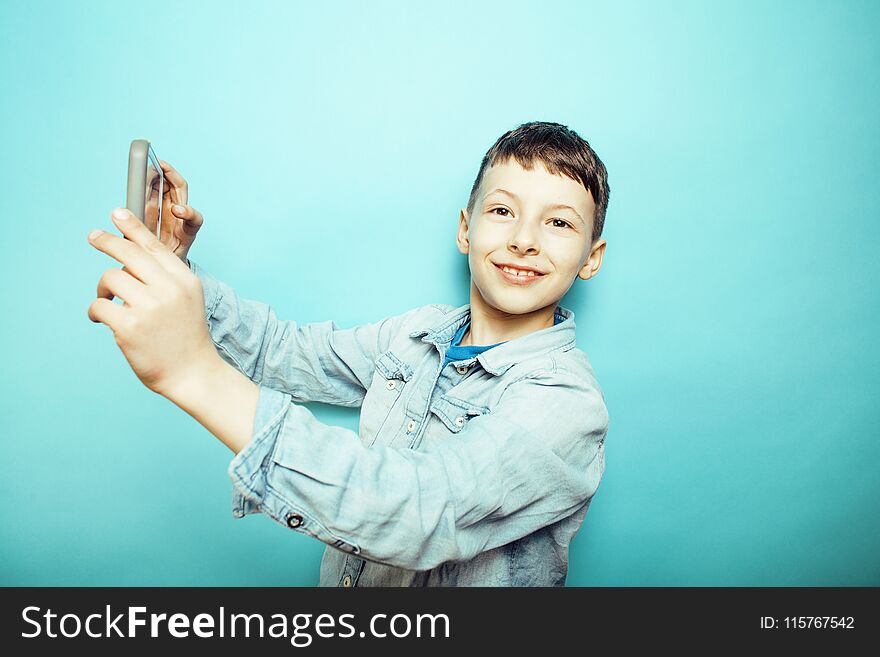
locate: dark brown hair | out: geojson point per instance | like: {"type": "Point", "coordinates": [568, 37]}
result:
{"type": "Point", "coordinates": [561, 150]}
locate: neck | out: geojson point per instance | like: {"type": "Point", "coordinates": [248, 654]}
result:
{"type": "Point", "coordinates": [491, 326]}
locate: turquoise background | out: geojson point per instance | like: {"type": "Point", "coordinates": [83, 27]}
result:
{"type": "Point", "coordinates": [733, 325]}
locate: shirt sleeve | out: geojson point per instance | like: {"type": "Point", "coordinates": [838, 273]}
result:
{"type": "Point", "coordinates": [535, 459]}
{"type": "Point", "coordinates": [310, 362]}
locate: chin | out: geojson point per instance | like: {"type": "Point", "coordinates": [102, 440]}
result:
{"type": "Point", "coordinates": [512, 305]}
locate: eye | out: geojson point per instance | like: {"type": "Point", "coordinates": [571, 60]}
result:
{"type": "Point", "coordinates": [505, 209]}
{"type": "Point", "coordinates": [564, 223]}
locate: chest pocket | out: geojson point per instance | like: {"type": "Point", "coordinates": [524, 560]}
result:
{"type": "Point", "coordinates": [455, 413]}
{"type": "Point", "coordinates": [395, 372]}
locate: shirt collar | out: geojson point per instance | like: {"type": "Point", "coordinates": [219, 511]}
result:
{"type": "Point", "coordinates": [499, 359]}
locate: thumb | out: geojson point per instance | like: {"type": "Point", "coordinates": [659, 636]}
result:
{"type": "Point", "coordinates": [192, 218]}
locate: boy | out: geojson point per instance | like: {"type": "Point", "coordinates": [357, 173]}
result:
{"type": "Point", "coordinates": [481, 437]}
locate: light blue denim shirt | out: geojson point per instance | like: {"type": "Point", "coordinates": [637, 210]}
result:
{"type": "Point", "coordinates": [478, 473]}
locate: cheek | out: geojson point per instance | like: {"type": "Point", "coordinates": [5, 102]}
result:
{"type": "Point", "coordinates": [486, 236]}
{"type": "Point", "coordinates": [477, 240]}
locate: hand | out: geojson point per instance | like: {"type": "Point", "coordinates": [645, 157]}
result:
{"type": "Point", "coordinates": [179, 227]}
{"type": "Point", "coordinates": [161, 327]}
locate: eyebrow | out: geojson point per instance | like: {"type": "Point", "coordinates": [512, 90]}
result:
{"type": "Point", "coordinates": [554, 206]}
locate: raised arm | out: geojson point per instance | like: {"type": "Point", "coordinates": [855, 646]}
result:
{"type": "Point", "coordinates": [535, 459]}
{"type": "Point", "coordinates": [310, 362]}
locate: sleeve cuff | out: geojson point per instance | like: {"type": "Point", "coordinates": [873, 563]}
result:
{"type": "Point", "coordinates": [209, 286]}
{"type": "Point", "coordinates": [249, 467]}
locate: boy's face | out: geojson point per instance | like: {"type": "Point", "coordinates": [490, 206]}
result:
{"type": "Point", "coordinates": [524, 228]}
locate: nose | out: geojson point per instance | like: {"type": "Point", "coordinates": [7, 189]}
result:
{"type": "Point", "coordinates": [522, 238]}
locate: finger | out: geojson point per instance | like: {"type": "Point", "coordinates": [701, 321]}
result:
{"type": "Point", "coordinates": [116, 282]}
{"type": "Point", "coordinates": [107, 312]}
{"type": "Point", "coordinates": [192, 218]}
{"type": "Point", "coordinates": [130, 274]}
{"type": "Point", "coordinates": [178, 188]}
{"type": "Point", "coordinates": [151, 258]}
{"type": "Point", "coordinates": [139, 262]}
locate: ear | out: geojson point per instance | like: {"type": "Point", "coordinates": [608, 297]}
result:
{"type": "Point", "coordinates": [461, 239]}
{"type": "Point", "coordinates": [594, 262]}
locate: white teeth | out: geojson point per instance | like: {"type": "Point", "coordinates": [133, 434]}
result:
{"type": "Point", "coordinates": [519, 272]}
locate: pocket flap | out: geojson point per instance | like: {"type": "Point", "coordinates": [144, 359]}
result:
{"type": "Point", "coordinates": [455, 413]}
{"type": "Point", "coordinates": [391, 367]}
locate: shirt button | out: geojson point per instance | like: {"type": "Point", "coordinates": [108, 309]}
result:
{"type": "Point", "coordinates": [346, 581]}
{"type": "Point", "coordinates": [459, 421]}
{"type": "Point", "coordinates": [462, 369]}
{"type": "Point", "coordinates": [391, 384]}
{"type": "Point", "coordinates": [410, 426]}
{"type": "Point", "coordinates": [294, 520]}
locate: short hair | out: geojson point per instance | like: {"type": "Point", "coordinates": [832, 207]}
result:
{"type": "Point", "coordinates": [561, 150]}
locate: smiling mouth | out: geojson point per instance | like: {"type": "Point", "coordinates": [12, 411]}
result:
{"type": "Point", "coordinates": [520, 277]}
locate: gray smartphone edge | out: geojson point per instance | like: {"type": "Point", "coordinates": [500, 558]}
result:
{"type": "Point", "coordinates": [139, 154]}
{"type": "Point", "coordinates": [137, 177]}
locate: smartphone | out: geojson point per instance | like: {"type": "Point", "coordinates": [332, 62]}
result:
{"type": "Point", "coordinates": [146, 184]}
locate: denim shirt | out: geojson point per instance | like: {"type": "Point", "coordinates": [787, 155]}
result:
{"type": "Point", "coordinates": [476, 473]}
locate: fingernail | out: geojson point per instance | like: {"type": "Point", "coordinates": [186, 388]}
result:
{"type": "Point", "coordinates": [119, 213]}
{"type": "Point", "coordinates": [179, 209]}
{"type": "Point", "coordinates": [95, 233]}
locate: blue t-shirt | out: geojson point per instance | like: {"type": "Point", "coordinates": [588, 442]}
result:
{"type": "Point", "coordinates": [458, 352]}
